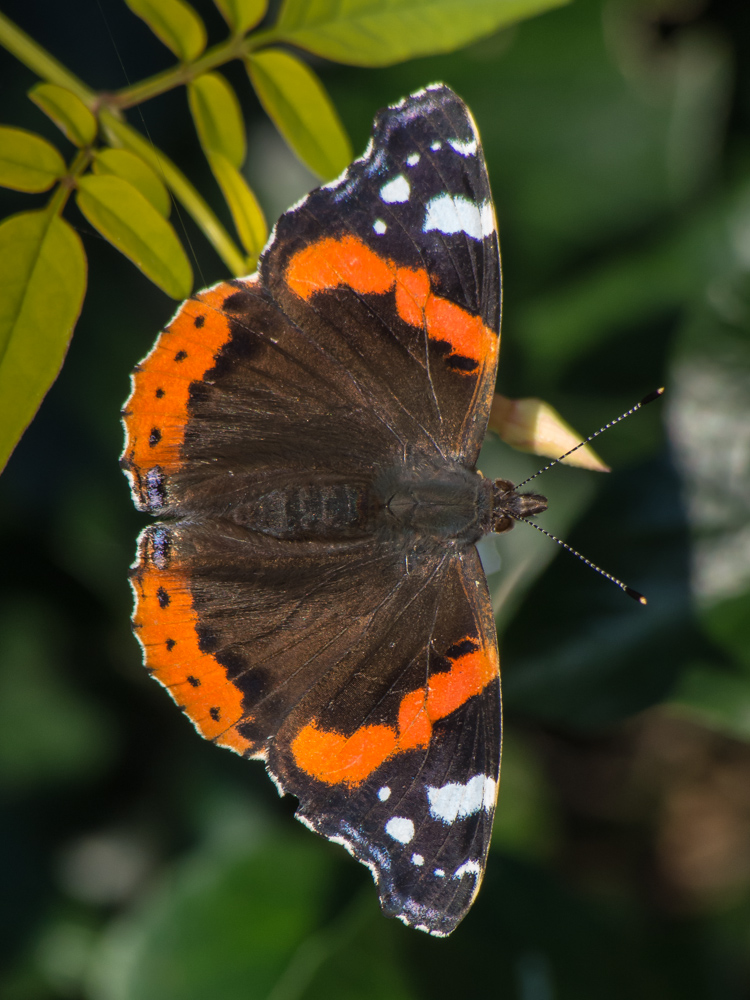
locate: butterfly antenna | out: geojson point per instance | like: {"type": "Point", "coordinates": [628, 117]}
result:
{"type": "Point", "coordinates": [628, 413]}
{"type": "Point", "coordinates": [597, 569]}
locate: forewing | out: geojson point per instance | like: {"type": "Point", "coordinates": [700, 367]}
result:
{"type": "Point", "coordinates": [395, 267]}
{"type": "Point", "coordinates": [370, 332]}
{"type": "Point", "coordinates": [234, 400]}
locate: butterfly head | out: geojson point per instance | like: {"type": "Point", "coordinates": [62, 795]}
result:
{"type": "Point", "coordinates": [508, 505]}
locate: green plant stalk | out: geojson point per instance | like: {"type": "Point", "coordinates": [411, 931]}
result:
{"type": "Point", "coordinates": [64, 189]}
{"type": "Point", "coordinates": [181, 187]}
{"type": "Point", "coordinates": [31, 54]}
{"type": "Point", "coordinates": [235, 47]}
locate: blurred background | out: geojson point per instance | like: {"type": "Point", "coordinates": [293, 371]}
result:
{"type": "Point", "coordinates": [137, 861]}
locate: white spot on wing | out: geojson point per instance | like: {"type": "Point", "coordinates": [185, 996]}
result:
{"type": "Point", "coordinates": [457, 214]}
{"type": "Point", "coordinates": [384, 793]}
{"type": "Point", "coordinates": [468, 868]}
{"type": "Point", "coordinates": [379, 226]}
{"type": "Point", "coordinates": [439, 872]}
{"type": "Point", "coordinates": [456, 801]}
{"type": "Point", "coordinates": [412, 159]}
{"type": "Point", "coordinates": [396, 190]}
{"type": "Point", "coordinates": [436, 146]}
{"type": "Point", "coordinates": [417, 859]}
{"type": "Point", "coordinates": [487, 217]}
{"type": "Point", "coordinates": [400, 828]}
{"type": "Point", "coordinates": [464, 148]}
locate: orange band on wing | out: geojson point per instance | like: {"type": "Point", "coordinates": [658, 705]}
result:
{"type": "Point", "coordinates": [157, 411]}
{"type": "Point", "coordinates": [331, 262]}
{"type": "Point", "coordinates": [166, 626]}
{"type": "Point", "coordinates": [348, 261]}
{"type": "Point", "coordinates": [334, 758]}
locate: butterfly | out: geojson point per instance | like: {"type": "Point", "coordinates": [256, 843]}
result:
{"type": "Point", "coordinates": [311, 594]}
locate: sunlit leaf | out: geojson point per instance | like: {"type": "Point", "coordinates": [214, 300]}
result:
{"type": "Point", "coordinates": [28, 162]}
{"type": "Point", "coordinates": [122, 134]}
{"type": "Point", "coordinates": [246, 212]}
{"type": "Point", "coordinates": [218, 117]}
{"type": "Point", "coordinates": [374, 33]}
{"type": "Point", "coordinates": [67, 111]}
{"type": "Point", "coordinates": [175, 23]}
{"type": "Point", "coordinates": [132, 224]}
{"type": "Point", "coordinates": [43, 270]}
{"type": "Point", "coordinates": [241, 15]}
{"type": "Point", "coordinates": [129, 166]}
{"type": "Point", "coordinates": [299, 106]}
{"type": "Point", "coordinates": [533, 425]}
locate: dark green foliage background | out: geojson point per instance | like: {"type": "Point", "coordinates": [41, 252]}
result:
{"type": "Point", "coordinates": [138, 862]}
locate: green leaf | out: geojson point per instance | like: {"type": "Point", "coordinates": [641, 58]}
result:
{"type": "Point", "coordinates": [131, 223]}
{"type": "Point", "coordinates": [252, 919]}
{"type": "Point", "coordinates": [28, 162]}
{"type": "Point", "coordinates": [50, 733]}
{"type": "Point", "coordinates": [122, 134]}
{"type": "Point", "coordinates": [129, 166]}
{"type": "Point", "coordinates": [728, 624]}
{"type": "Point", "coordinates": [175, 23]}
{"type": "Point", "coordinates": [717, 698]}
{"type": "Point", "coordinates": [43, 270]}
{"type": "Point", "coordinates": [246, 212]}
{"type": "Point", "coordinates": [252, 909]}
{"type": "Point", "coordinates": [241, 15]}
{"type": "Point", "coordinates": [67, 111]}
{"type": "Point", "coordinates": [374, 33]}
{"type": "Point", "coordinates": [299, 106]}
{"type": "Point", "coordinates": [218, 117]}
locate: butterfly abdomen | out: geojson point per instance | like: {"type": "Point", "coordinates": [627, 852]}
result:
{"type": "Point", "coordinates": [311, 510]}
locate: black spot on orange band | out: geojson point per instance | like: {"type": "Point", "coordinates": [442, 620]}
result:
{"type": "Point", "coordinates": [197, 682]}
{"type": "Point", "coordinates": [157, 410]}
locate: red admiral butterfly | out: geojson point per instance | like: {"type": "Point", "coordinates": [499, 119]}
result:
{"type": "Point", "coordinates": [315, 598]}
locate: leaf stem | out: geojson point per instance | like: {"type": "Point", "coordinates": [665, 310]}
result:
{"type": "Point", "coordinates": [63, 190]}
{"type": "Point", "coordinates": [235, 47]}
{"type": "Point", "coordinates": [31, 54]}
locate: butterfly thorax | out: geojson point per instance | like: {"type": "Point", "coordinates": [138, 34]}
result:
{"type": "Point", "coordinates": [450, 503]}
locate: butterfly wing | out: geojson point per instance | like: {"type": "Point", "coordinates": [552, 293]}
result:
{"type": "Point", "coordinates": [395, 266]}
{"type": "Point", "coordinates": [371, 692]}
{"type": "Point", "coordinates": [364, 672]}
{"type": "Point", "coordinates": [377, 297]}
